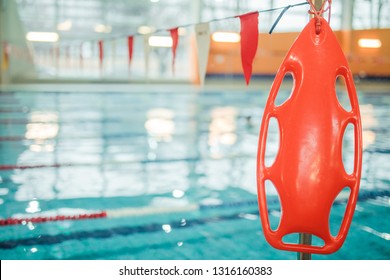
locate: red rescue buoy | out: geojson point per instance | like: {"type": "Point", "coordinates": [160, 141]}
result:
{"type": "Point", "coordinates": [308, 171]}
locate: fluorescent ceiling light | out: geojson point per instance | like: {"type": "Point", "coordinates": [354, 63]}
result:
{"type": "Point", "coordinates": [101, 28]}
{"type": "Point", "coordinates": [65, 25]}
{"type": "Point", "coordinates": [226, 37]}
{"type": "Point", "coordinates": [144, 29]}
{"type": "Point", "coordinates": [42, 36]}
{"type": "Point", "coordinates": [154, 1]}
{"type": "Point", "coordinates": [370, 43]}
{"type": "Point", "coordinates": [160, 41]}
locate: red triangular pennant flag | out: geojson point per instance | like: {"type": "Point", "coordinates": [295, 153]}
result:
{"type": "Point", "coordinates": [101, 53]}
{"type": "Point", "coordinates": [249, 41]}
{"type": "Point", "coordinates": [175, 40]}
{"type": "Point", "coordinates": [130, 42]}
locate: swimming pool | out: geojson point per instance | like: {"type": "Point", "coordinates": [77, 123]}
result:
{"type": "Point", "coordinates": [159, 173]}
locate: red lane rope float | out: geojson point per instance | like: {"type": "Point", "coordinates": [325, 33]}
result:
{"type": "Point", "coordinates": [37, 220]}
{"type": "Point", "coordinates": [109, 213]}
{"type": "Point", "coordinates": [12, 167]}
{"type": "Point", "coordinates": [308, 171]}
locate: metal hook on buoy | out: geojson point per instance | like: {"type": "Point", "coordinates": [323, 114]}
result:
{"type": "Point", "coordinates": [317, 9]}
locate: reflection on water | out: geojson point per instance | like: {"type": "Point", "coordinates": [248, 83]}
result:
{"type": "Point", "coordinates": [160, 125]}
{"type": "Point", "coordinates": [148, 152]}
{"type": "Point", "coordinates": [34, 250]}
{"type": "Point", "coordinates": [33, 207]}
{"type": "Point", "coordinates": [178, 193]}
{"type": "Point", "coordinates": [199, 148]}
{"type": "Point", "coordinates": [368, 122]}
{"type": "Point", "coordinates": [167, 228]}
{"type": "Point", "coordinates": [222, 129]}
{"type": "Point", "coordinates": [42, 126]}
{"type": "Point", "coordinates": [30, 226]}
{"type": "Point", "coordinates": [41, 133]}
{"type": "Point", "coordinates": [384, 235]}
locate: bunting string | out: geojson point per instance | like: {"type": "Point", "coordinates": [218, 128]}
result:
{"type": "Point", "coordinates": [119, 36]}
{"type": "Point", "coordinates": [278, 18]}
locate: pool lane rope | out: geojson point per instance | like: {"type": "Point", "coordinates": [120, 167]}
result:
{"type": "Point", "coordinates": [23, 219]}
{"type": "Point", "coordinates": [128, 212]}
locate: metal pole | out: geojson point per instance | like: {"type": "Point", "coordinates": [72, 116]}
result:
{"type": "Point", "coordinates": [305, 238]}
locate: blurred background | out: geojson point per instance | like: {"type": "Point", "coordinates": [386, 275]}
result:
{"type": "Point", "coordinates": [57, 40]}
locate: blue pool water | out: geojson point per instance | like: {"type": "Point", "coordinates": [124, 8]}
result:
{"type": "Point", "coordinates": [175, 168]}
